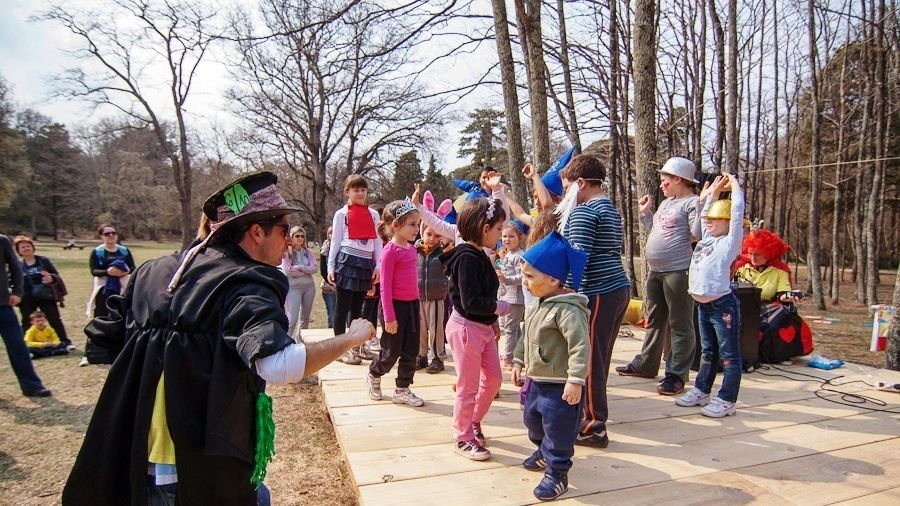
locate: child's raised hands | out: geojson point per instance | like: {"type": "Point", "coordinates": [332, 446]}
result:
{"type": "Point", "coordinates": [528, 171]}
{"type": "Point", "coordinates": [417, 195]}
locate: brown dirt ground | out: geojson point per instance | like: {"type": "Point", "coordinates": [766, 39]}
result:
{"type": "Point", "coordinates": [39, 438]}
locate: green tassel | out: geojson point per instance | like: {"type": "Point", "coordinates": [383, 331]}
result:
{"type": "Point", "coordinates": [265, 438]}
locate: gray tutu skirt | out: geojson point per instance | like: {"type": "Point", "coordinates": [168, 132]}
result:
{"type": "Point", "coordinates": [353, 273]}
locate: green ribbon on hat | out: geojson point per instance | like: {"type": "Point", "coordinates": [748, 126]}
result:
{"type": "Point", "coordinates": [236, 198]}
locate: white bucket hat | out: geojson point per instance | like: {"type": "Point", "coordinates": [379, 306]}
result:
{"type": "Point", "coordinates": [680, 167]}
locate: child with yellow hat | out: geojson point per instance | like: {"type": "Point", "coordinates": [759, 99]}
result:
{"type": "Point", "coordinates": [718, 310]}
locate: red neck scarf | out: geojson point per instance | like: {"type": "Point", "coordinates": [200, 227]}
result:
{"type": "Point", "coordinates": [360, 224]}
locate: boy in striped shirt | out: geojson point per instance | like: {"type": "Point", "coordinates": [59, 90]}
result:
{"type": "Point", "coordinates": [595, 227]}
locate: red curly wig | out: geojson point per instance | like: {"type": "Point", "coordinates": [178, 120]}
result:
{"type": "Point", "coordinates": [765, 242]}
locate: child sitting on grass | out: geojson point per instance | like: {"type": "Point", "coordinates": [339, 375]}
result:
{"type": "Point", "coordinates": [41, 339]}
{"type": "Point", "coordinates": [554, 355]}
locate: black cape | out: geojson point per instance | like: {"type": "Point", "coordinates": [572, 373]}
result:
{"type": "Point", "coordinates": [226, 312]}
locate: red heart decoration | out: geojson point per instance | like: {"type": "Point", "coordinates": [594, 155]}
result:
{"type": "Point", "coordinates": [787, 334]}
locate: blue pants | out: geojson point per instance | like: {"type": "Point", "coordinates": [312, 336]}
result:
{"type": "Point", "coordinates": [720, 331]}
{"type": "Point", "coordinates": [18, 353]}
{"type": "Point", "coordinates": [329, 299]}
{"type": "Point", "coordinates": [552, 425]}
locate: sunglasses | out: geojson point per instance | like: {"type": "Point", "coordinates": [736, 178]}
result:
{"type": "Point", "coordinates": [299, 236]}
{"type": "Point", "coordinates": [110, 234]}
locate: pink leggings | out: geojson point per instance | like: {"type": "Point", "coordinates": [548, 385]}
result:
{"type": "Point", "coordinates": [478, 375]}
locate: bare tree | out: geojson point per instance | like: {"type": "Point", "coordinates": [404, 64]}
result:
{"type": "Point", "coordinates": [332, 96]}
{"type": "Point", "coordinates": [170, 35]}
{"type": "Point", "coordinates": [813, 251]}
{"type": "Point", "coordinates": [510, 101]}
{"type": "Point", "coordinates": [644, 50]}
{"type": "Point", "coordinates": [528, 13]}
{"type": "Point", "coordinates": [732, 119]}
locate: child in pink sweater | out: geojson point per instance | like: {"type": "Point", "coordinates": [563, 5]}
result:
{"type": "Point", "coordinates": [400, 303]}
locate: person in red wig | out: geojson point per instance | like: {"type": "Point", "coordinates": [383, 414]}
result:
{"type": "Point", "coordinates": [783, 334]}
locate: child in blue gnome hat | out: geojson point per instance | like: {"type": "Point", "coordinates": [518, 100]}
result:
{"type": "Point", "coordinates": [554, 355]}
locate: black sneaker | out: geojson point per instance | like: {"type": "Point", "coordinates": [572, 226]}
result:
{"type": "Point", "coordinates": [43, 392]}
{"type": "Point", "coordinates": [436, 366]}
{"type": "Point", "coordinates": [672, 384]}
{"type": "Point", "coordinates": [551, 487]}
{"type": "Point", "coordinates": [421, 362]}
{"type": "Point", "coordinates": [535, 462]}
{"type": "Point", "coordinates": [593, 439]}
{"type": "Point", "coordinates": [631, 370]}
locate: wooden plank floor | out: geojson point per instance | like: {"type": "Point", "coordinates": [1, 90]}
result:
{"type": "Point", "coordinates": [790, 443]}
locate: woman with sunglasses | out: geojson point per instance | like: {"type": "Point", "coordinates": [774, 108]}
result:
{"type": "Point", "coordinates": [299, 265]}
{"type": "Point", "coordinates": [111, 264]}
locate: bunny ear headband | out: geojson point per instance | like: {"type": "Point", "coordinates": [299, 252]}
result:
{"type": "Point", "coordinates": [442, 211]}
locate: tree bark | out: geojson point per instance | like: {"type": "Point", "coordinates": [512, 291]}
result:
{"type": "Point", "coordinates": [528, 13]}
{"type": "Point", "coordinates": [892, 352]}
{"type": "Point", "coordinates": [731, 134]}
{"type": "Point", "coordinates": [574, 137]}
{"type": "Point", "coordinates": [835, 222]}
{"type": "Point", "coordinates": [510, 102]}
{"type": "Point", "coordinates": [719, 38]}
{"type": "Point", "coordinates": [812, 235]}
{"type": "Point", "coordinates": [645, 140]}
{"type": "Point", "coordinates": [880, 119]}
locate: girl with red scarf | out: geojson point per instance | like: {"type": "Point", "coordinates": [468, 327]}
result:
{"type": "Point", "coordinates": [353, 257]}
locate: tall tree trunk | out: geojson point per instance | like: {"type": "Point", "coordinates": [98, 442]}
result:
{"type": "Point", "coordinates": [645, 140]}
{"type": "Point", "coordinates": [510, 102]}
{"type": "Point", "coordinates": [836, 218]}
{"type": "Point", "coordinates": [880, 119]}
{"type": "Point", "coordinates": [812, 236]}
{"type": "Point", "coordinates": [861, 179]}
{"type": "Point", "coordinates": [614, 96]}
{"type": "Point", "coordinates": [574, 137]}
{"type": "Point", "coordinates": [528, 13]}
{"type": "Point", "coordinates": [770, 219]}
{"type": "Point", "coordinates": [731, 133]}
{"type": "Point", "coordinates": [719, 38]}
{"type": "Point", "coordinates": [699, 88]}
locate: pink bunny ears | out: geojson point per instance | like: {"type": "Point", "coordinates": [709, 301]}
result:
{"type": "Point", "coordinates": [442, 210]}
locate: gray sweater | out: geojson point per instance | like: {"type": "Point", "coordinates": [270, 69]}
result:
{"type": "Point", "coordinates": [668, 247]}
{"type": "Point", "coordinates": [10, 271]}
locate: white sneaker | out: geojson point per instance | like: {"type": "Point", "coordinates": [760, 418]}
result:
{"type": "Point", "coordinates": [718, 408]}
{"type": "Point", "coordinates": [71, 347]}
{"type": "Point", "coordinates": [84, 362]}
{"type": "Point", "coordinates": [694, 397]}
{"type": "Point", "coordinates": [374, 386]}
{"type": "Point", "coordinates": [405, 396]}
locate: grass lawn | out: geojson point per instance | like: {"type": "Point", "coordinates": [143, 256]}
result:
{"type": "Point", "coordinates": [41, 437]}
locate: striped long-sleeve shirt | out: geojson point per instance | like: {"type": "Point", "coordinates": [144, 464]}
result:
{"type": "Point", "coordinates": [596, 227]}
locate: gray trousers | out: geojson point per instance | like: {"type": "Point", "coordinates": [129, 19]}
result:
{"type": "Point", "coordinates": [511, 329]}
{"type": "Point", "coordinates": [670, 325]}
{"type": "Point", "coordinates": [431, 327]}
{"type": "Point", "coordinates": [298, 304]}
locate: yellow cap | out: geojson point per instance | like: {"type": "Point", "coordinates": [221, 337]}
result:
{"type": "Point", "coordinates": [719, 210]}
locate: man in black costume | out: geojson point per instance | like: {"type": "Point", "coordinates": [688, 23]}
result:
{"type": "Point", "coordinates": [183, 417]}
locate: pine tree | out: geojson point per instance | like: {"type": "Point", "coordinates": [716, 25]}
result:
{"type": "Point", "coordinates": [407, 173]}
{"type": "Point", "coordinates": [436, 182]}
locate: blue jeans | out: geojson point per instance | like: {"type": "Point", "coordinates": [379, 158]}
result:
{"type": "Point", "coordinates": [552, 425]}
{"type": "Point", "coordinates": [19, 358]}
{"type": "Point", "coordinates": [329, 299]}
{"type": "Point", "coordinates": [164, 495]}
{"type": "Point", "coordinates": [720, 331]}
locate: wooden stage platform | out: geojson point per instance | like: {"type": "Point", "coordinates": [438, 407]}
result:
{"type": "Point", "coordinates": [787, 445]}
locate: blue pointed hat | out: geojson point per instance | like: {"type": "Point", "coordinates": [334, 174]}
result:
{"type": "Point", "coordinates": [554, 256]}
{"type": "Point", "coordinates": [552, 179]}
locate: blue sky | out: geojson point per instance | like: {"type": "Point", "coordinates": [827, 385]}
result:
{"type": "Point", "coordinates": [32, 52]}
